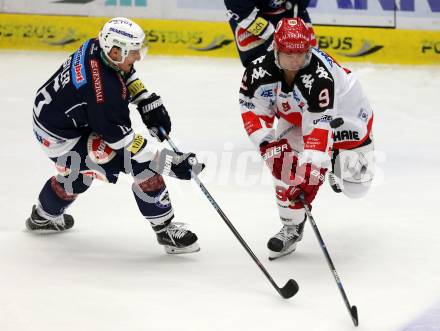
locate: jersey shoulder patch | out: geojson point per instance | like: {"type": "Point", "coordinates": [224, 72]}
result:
{"type": "Point", "coordinates": [260, 71]}
{"type": "Point", "coordinates": [316, 84]}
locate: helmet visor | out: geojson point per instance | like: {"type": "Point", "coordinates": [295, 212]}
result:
{"type": "Point", "coordinates": [133, 50]}
{"type": "Point", "coordinates": [138, 50]}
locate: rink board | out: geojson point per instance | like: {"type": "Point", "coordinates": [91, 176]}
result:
{"type": "Point", "coordinates": [215, 39]}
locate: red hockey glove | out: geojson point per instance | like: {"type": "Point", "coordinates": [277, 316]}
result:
{"type": "Point", "coordinates": [312, 178]}
{"type": "Point", "coordinates": [279, 158]}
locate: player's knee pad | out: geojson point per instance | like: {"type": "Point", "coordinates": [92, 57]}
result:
{"type": "Point", "coordinates": [355, 169]}
{"type": "Point", "coordinates": [88, 175]}
{"type": "Point", "coordinates": [153, 199]}
{"type": "Point", "coordinates": [153, 191]}
{"type": "Point", "coordinates": [76, 185]}
{"type": "Point", "coordinates": [58, 193]}
{"type": "Point", "coordinates": [62, 188]}
{"type": "Point", "coordinates": [151, 184]}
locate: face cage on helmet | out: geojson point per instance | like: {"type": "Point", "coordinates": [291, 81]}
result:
{"type": "Point", "coordinates": [307, 59]}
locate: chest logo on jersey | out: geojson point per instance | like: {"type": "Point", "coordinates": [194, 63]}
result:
{"type": "Point", "coordinates": [286, 106]}
{"type": "Point", "coordinates": [325, 118]}
{"type": "Point", "coordinates": [267, 93]}
{"type": "Point", "coordinates": [97, 81]}
{"type": "Point", "coordinates": [300, 103]}
{"type": "Point", "coordinates": [259, 73]}
{"type": "Point", "coordinates": [346, 135]}
{"type": "Point", "coordinates": [78, 68]}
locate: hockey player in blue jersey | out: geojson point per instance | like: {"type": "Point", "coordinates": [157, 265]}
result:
{"type": "Point", "coordinates": [81, 120]}
{"type": "Point", "coordinates": [253, 21]}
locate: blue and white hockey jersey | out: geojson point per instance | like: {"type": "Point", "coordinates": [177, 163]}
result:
{"type": "Point", "coordinates": [84, 95]}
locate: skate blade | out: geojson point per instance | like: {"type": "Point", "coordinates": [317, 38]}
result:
{"type": "Point", "coordinates": [276, 255]}
{"type": "Point", "coordinates": [40, 231]}
{"type": "Point", "coordinates": [43, 232]}
{"type": "Point", "coordinates": [182, 250]}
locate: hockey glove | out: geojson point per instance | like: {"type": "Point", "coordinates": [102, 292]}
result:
{"type": "Point", "coordinates": [154, 115]}
{"type": "Point", "coordinates": [282, 161]}
{"type": "Point", "coordinates": [311, 178]}
{"type": "Point", "coordinates": [279, 158]}
{"type": "Point", "coordinates": [176, 164]}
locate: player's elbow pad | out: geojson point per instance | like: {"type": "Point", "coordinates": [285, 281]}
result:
{"type": "Point", "coordinates": [261, 27]}
{"type": "Point", "coordinates": [142, 150]}
{"type": "Point", "coordinates": [137, 90]}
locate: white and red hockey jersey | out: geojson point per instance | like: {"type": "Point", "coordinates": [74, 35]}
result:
{"type": "Point", "coordinates": [321, 92]}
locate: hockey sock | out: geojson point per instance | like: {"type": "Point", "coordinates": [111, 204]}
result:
{"type": "Point", "coordinates": [153, 200]}
{"type": "Point", "coordinates": [55, 197]}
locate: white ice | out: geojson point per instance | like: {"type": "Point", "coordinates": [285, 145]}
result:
{"type": "Point", "coordinates": [109, 273]}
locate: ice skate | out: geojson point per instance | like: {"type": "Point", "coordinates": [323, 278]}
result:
{"type": "Point", "coordinates": [176, 239]}
{"type": "Point", "coordinates": [285, 241]}
{"type": "Point", "coordinates": [37, 223]}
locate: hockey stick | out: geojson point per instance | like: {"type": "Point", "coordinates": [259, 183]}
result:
{"type": "Point", "coordinates": [351, 309]}
{"type": "Point", "coordinates": [291, 287]}
{"type": "Point", "coordinates": [295, 10]}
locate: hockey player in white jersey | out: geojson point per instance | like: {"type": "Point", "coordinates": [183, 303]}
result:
{"type": "Point", "coordinates": [323, 121]}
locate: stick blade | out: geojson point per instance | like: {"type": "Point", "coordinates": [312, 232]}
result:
{"type": "Point", "coordinates": [290, 289]}
{"type": "Point", "coordinates": [354, 315]}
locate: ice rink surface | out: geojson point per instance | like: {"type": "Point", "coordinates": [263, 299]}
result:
{"type": "Point", "coordinates": [109, 273]}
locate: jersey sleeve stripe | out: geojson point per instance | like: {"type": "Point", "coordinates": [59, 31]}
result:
{"type": "Point", "coordinates": [246, 22]}
{"type": "Point", "coordinates": [41, 127]}
{"type": "Point", "coordinates": [125, 141]}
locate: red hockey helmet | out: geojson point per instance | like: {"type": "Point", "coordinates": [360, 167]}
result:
{"type": "Point", "coordinates": [292, 36]}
